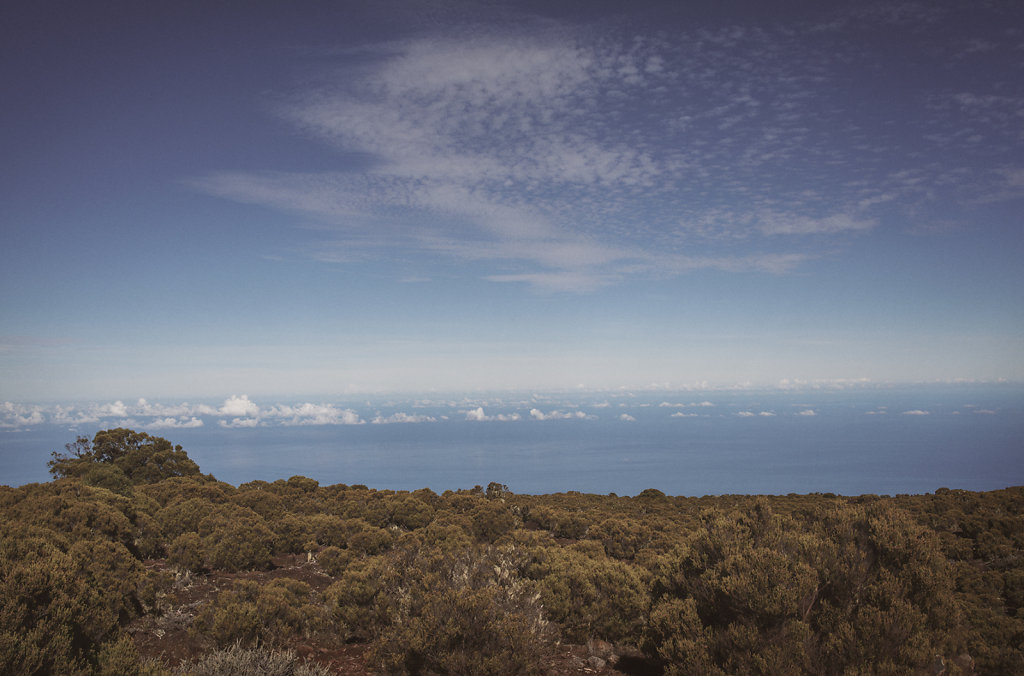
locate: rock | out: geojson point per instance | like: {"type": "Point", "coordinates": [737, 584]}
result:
{"type": "Point", "coordinates": [596, 662]}
{"type": "Point", "coordinates": [599, 648]}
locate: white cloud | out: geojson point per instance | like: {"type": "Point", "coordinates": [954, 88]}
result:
{"type": "Point", "coordinates": [703, 404]}
{"type": "Point", "coordinates": [537, 414]}
{"type": "Point", "coordinates": [241, 422]}
{"type": "Point", "coordinates": [16, 416]}
{"type": "Point", "coordinates": [809, 412]}
{"type": "Point", "coordinates": [313, 414]}
{"type": "Point", "coordinates": [627, 418]}
{"type": "Point", "coordinates": [984, 411]}
{"type": "Point", "coordinates": [776, 224]}
{"type": "Point", "coordinates": [916, 412]}
{"type": "Point", "coordinates": [114, 410]}
{"type": "Point", "coordinates": [766, 414]}
{"type": "Point", "coordinates": [680, 414]}
{"type": "Point", "coordinates": [478, 415]}
{"type": "Point", "coordinates": [746, 414]}
{"type": "Point", "coordinates": [238, 406]}
{"type": "Point", "coordinates": [71, 416]}
{"type": "Point", "coordinates": [402, 418]}
{"type": "Point", "coordinates": [173, 423]}
{"type": "Point", "coordinates": [567, 160]}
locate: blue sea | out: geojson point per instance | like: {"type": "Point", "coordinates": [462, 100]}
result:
{"type": "Point", "coordinates": [881, 440]}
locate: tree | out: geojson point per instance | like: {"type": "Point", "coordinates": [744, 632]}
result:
{"type": "Point", "coordinates": [140, 458]}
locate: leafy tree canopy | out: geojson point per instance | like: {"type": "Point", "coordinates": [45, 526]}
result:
{"type": "Point", "coordinates": [118, 457]}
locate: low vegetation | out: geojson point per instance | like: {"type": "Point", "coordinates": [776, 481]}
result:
{"type": "Point", "coordinates": [484, 581]}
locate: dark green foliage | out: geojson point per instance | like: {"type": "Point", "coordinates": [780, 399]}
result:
{"type": "Point", "coordinates": [621, 538]}
{"type": "Point", "coordinates": [334, 560]}
{"type": "Point", "coordinates": [140, 459]}
{"type": "Point", "coordinates": [270, 614]}
{"type": "Point", "coordinates": [236, 538]}
{"type": "Point", "coordinates": [471, 613]}
{"type": "Point", "coordinates": [58, 605]}
{"type": "Point", "coordinates": [756, 592]}
{"type": "Point", "coordinates": [593, 596]}
{"type": "Point", "coordinates": [411, 513]}
{"type": "Point", "coordinates": [185, 553]}
{"type": "Point", "coordinates": [483, 581]}
{"type": "Point", "coordinates": [240, 661]}
{"type": "Point", "coordinates": [492, 519]}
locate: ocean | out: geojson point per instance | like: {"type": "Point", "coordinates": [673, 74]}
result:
{"type": "Point", "coordinates": [852, 441]}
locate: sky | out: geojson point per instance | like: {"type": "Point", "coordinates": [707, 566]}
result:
{"type": "Point", "coordinates": [203, 199]}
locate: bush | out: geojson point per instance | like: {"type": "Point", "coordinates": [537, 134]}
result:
{"type": "Point", "coordinates": [492, 519]}
{"type": "Point", "coordinates": [249, 613]}
{"type": "Point", "coordinates": [185, 553]}
{"type": "Point", "coordinates": [240, 661]}
{"type": "Point", "coordinates": [361, 601]}
{"type": "Point", "coordinates": [235, 538]}
{"type": "Point", "coordinates": [140, 458]}
{"type": "Point", "coordinates": [622, 538]}
{"type": "Point", "coordinates": [57, 607]}
{"type": "Point", "coordinates": [333, 560]}
{"type": "Point", "coordinates": [466, 613]}
{"type": "Point", "coordinates": [593, 597]}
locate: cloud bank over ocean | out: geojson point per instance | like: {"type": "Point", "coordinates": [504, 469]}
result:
{"type": "Point", "coordinates": [240, 411]}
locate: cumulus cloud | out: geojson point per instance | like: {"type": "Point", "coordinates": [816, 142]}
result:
{"type": "Point", "coordinates": [627, 418]}
{"type": "Point", "coordinates": [114, 410]}
{"type": "Point", "coordinates": [680, 414]}
{"type": "Point", "coordinates": [240, 423]}
{"type": "Point", "coordinates": [70, 415]}
{"type": "Point", "coordinates": [916, 412]}
{"type": "Point", "coordinates": [173, 423]}
{"type": "Point", "coordinates": [809, 412]}
{"type": "Point", "coordinates": [239, 406]}
{"type": "Point", "coordinates": [702, 404]}
{"type": "Point", "coordinates": [16, 416]}
{"type": "Point", "coordinates": [746, 414]}
{"type": "Point", "coordinates": [402, 418]}
{"type": "Point", "coordinates": [313, 414]}
{"type": "Point", "coordinates": [537, 414]}
{"type": "Point", "coordinates": [478, 415]}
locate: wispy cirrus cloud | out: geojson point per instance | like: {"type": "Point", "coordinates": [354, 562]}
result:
{"type": "Point", "coordinates": [571, 157]}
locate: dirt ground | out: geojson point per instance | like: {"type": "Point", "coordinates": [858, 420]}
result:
{"type": "Point", "coordinates": [166, 637]}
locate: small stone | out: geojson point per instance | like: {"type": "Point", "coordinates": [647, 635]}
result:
{"type": "Point", "coordinates": [599, 648]}
{"type": "Point", "coordinates": [596, 662]}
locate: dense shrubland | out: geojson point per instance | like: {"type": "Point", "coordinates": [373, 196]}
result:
{"type": "Point", "coordinates": [486, 582]}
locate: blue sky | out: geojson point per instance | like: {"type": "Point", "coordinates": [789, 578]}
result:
{"type": "Point", "coordinates": [206, 199]}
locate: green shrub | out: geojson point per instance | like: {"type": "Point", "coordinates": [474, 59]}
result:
{"type": "Point", "coordinates": [593, 597]}
{"type": "Point", "coordinates": [621, 538]}
{"type": "Point", "coordinates": [249, 613]}
{"type": "Point", "coordinates": [245, 545]}
{"type": "Point", "coordinates": [140, 458]}
{"type": "Point", "coordinates": [236, 538]}
{"type": "Point", "coordinates": [184, 516]}
{"type": "Point", "coordinates": [462, 613]}
{"type": "Point", "coordinates": [57, 607]}
{"type": "Point", "coordinates": [334, 560]}
{"type": "Point", "coordinates": [411, 513]}
{"type": "Point", "coordinates": [185, 553]}
{"type": "Point", "coordinates": [240, 661]}
{"type": "Point", "coordinates": [492, 519]}
{"type": "Point", "coordinates": [362, 601]}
